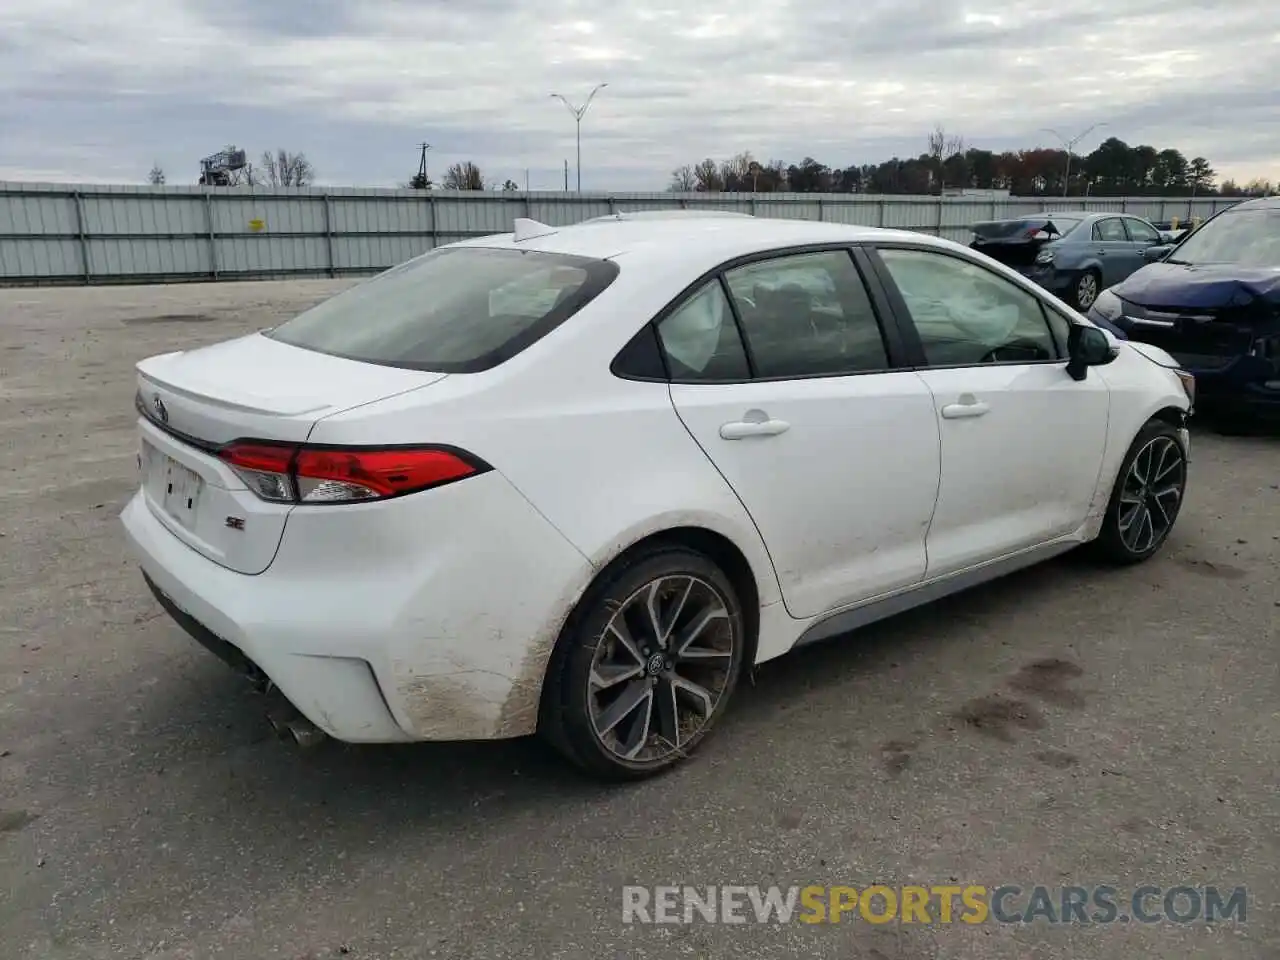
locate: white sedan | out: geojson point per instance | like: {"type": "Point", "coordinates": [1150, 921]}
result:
{"type": "Point", "coordinates": [577, 480]}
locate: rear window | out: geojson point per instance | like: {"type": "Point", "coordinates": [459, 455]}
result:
{"type": "Point", "coordinates": [454, 310]}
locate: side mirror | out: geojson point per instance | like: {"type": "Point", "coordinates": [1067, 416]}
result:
{"type": "Point", "coordinates": [1087, 346]}
{"type": "Point", "coordinates": [1158, 252]}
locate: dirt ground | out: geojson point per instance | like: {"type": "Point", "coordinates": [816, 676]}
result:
{"type": "Point", "coordinates": [1066, 726]}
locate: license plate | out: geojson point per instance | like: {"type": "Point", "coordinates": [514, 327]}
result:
{"type": "Point", "coordinates": [176, 488]}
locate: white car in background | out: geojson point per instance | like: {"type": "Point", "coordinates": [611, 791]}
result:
{"type": "Point", "coordinates": [576, 480]}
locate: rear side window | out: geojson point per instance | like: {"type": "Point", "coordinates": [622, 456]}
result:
{"type": "Point", "coordinates": [807, 315]}
{"type": "Point", "coordinates": [455, 310]}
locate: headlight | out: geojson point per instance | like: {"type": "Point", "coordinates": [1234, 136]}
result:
{"type": "Point", "coordinates": [1188, 385]}
{"type": "Point", "coordinates": [1108, 305]}
{"type": "Point", "coordinates": [1044, 256]}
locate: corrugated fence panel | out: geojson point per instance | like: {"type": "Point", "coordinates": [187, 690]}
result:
{"type": "Point", "coordinates": [37, 215]}
{"type": "Point", "coordinates": [272, 256]}
{"type": "Point", "coordinates": [66, 233]}
{"type": "Point", "coordinates": [376, 252]}
{"type": "Point", "coordinates": [40, 259]}
{"type": "Point", "coordinates": [141, 258]}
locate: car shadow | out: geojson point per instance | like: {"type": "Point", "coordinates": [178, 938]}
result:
{"type": "Point", "coordinates": [462, 783]}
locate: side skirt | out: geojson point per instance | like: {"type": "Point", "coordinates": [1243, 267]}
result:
{"type": "Point", "coordinates": [853, 618]}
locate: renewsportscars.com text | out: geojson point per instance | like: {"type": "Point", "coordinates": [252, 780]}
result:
{"type": "Point", "coordinates": [942, 903]}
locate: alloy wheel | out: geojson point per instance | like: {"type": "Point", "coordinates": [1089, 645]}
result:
{"type": "Point", "coordinates": [661, 668]}
{"type": "Point", "coordinates": [1086, 290]}
{"type": "Point", "coordinates": [1151, 494]}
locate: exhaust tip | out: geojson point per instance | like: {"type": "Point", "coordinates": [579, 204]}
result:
{"type": "Point", "coordinates": [305, 733]}
{"type": "Point", "coordinates": [289, 724]}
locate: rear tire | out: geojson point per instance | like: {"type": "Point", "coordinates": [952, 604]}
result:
{"type": "Point", "coordinates": [645, 665]}
{"type": "Point", "coordinates": [1147, 496]}
{"type": "Point", "coordinates": [1085, 290]}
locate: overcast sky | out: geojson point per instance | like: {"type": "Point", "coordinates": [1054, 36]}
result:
{"type": "Point", "coordinates": [98, 90]}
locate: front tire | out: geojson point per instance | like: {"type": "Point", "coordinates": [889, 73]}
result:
{"type": "Point", "coordinates": [645, 665]}
{"type": "Point", "coordinates": [1147, 496]}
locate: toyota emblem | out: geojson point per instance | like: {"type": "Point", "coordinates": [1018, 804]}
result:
{"type": "Point", "coordinates": [161, 412]}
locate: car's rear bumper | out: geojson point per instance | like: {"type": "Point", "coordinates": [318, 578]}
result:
{"type": "Point", "coordinates": [1050, 278]}
{"type": "Point", "coordinates": [430, 617]}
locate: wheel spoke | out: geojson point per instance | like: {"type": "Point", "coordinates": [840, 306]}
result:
{"type": "Point", "coordinates": [1173, 490]}
{"type": "Point", "coordinates": [1126, 522]}
{"type": "Point", "coordinates": [1140, 470]}
{"type": "Point", "coordinates": [669, 628]}
{"type": "Point", "coordinates": [1156, 509]}
{"type": "Point", "coordinates": [636, 693]}
{"type": "Point", "coordinates": [608, 675]}
{"type": "Point", "coordinates": [694, 630]}
{"type": "Point", "coordinates": [618, 627]}
{"type": "Point", "coordinates": [1168, 462]}
{"type": "Point", "coordinates": [653, 606]}
{"type": "Point", "coordinates": [698, 695]}
{"type": "Point", "coordinates": [1148, 525]}
{"type": "Point", "coordinates": [640, 726]}
{"type": "Point", "coordinates": [704, 653]}
{"type": "Point", "coordinates": [668, 712]}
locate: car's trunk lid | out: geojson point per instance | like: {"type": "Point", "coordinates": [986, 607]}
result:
{"type": "Point", "coordinates": [1014, 242]}
{"type": "Point", "coordinates": [196, 401]}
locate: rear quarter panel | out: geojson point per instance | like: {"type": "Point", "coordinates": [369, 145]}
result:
{"type": "Point", "coordinates": [605, 460]}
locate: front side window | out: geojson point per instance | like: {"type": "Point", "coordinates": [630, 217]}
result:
{"type": "Point", "coordinates": [1141, 232]}
{"type": "Point", "coordinates": [454, 310]}
{"type": "Point", "coordinates": [806, 315]}
{"type": "Point", "coordinates": [966, 315]}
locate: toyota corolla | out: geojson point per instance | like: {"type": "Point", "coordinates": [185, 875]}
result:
{"type": "Point", "coordinates": [577, 480]}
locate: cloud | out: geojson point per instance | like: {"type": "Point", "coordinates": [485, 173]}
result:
{"type": "Point", "coordinates": [94, 91]}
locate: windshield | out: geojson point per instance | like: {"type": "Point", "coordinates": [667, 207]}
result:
{"type": "Point", "coordinates": [454, 310]}
{"type": "Point", "coordinates": [1250, 238]}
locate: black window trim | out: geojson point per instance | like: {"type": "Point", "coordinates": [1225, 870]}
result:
{"type": "Point", "coordinates": [600, 274]}
{"type": "Point", "coordinates": [894, 343]}
{"type": "Point", "coordinates": [905, 323]}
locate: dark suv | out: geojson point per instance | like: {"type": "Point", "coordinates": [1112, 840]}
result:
{"type": "Point", "coordinates": [1213, 302]}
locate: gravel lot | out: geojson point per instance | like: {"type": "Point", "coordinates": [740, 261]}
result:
{"type": "Point", "coordinates": [147, 812]}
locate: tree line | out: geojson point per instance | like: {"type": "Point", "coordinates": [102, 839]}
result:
{"type": "Point", "coordinates": [1113, 169]}
{"type": "Point", "coordinates": [278, 168]}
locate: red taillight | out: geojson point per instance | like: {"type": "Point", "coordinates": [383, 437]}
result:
{"type": "Point", "coordinates": [327, 475]}
{"type": "Point", "coordinates": [298, 474]}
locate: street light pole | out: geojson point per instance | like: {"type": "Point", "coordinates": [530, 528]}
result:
{"type": "Point", "coordinates": [1070, 145]}
{"type": "Point", "coordinates": [578, 114]}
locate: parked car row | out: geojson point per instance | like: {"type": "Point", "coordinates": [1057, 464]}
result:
{"type": "Point", "coordinates": [1210, 295]}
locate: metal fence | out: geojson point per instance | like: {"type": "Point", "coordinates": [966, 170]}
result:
{"type": "Point", "coordinates": [59, 234]}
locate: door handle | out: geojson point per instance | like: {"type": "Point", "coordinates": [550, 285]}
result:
{"type": "Point", "coordinates": [741, 429]}
{"type": "Point", "coordinates": [966, 408]}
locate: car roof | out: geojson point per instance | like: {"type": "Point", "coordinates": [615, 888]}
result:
{"type": "Point", "coordinates": [1258, 203]}
{"type": "Point", "coordinates": [707, 240]}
